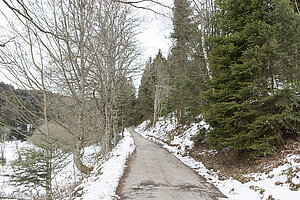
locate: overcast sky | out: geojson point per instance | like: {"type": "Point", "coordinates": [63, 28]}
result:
{"type": "Point", "coordinates": [156, 30]}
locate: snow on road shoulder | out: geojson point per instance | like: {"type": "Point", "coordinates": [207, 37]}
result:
{"type": "Point", "coordinates": [277, 184]}
{"type": "Point", "coordinates": [104, 186]}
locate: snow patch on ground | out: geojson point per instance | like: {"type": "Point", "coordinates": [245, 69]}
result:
{"type": "Point", "coordinates": [168, 126]}
{"type": "Point", "coordinates": [275, 184]}
{"type": "Point", "coordinates": [64, 177]}
{"type": "Point", "coordinates": [104, 180]}
{"type": "Point", "coordinates": [100, 185]}
{"type": "Point", "coordinates": [70, 175]}
{"type": "Point", "coordinates": [11, 149]}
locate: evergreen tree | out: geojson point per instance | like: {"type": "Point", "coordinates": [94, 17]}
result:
{"type": "Point", "coordinates": [31, 170]}
{"type": "Point", "coordinates": [145, 103]}
{"type": "Point", "coordinates": [188, 73]}
{"type": "Point", "coordinates": [19, 108]}
{"type": "Point", "coordinates": [253, 103]}
{"type": "Point", "coordinates": [153, 89]}
{"type": "Point", "coordinates": [126, 103]}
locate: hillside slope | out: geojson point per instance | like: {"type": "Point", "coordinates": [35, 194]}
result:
{"type": "Point", "coordinates": [280, 181]}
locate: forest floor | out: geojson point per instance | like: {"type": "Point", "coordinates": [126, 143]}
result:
{"type": "Point", "coordinates": [233, 164]}
{"type": "Point", "coordinates": [154, 173]}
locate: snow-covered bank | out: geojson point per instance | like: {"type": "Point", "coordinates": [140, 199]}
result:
{"type": "Point", "coordinates": [64, 176]}
{"type": "Point", "coordinates": [101, 184]}
{"type": "Point", "coordinates": [104, 180]}
{"type": "Point", "coordinates": [10, 154]}
{"type": "Point", "coordinates": [276, 184]}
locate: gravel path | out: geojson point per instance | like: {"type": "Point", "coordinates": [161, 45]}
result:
{"type": "Point", "coordinates": [154, 173]}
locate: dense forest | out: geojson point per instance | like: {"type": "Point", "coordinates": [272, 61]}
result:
{"type": "Point", "coordinates": [233, 63]}
{"type": "Point", "coordinates": [15, 103]}
{"type": "Point", "coordinates": [243, 79]}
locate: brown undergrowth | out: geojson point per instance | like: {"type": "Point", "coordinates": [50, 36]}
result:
{"type": "Point", "coordinates": [233, 164]}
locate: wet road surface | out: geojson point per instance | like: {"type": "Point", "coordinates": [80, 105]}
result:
{"type": "Point", "coordinates": [154, 173]}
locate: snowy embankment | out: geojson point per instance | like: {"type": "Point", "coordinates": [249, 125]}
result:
{"type": "Point", "coordinates": [64, 176]}
{"type": "Point", "coordinates": [10, 154]}
{"type": "Point", "coordinates": [101, 184]}
{"type": "Point", "coordinates": [276, 184]}
{"type": "Point", "coordinates": [104, 180]}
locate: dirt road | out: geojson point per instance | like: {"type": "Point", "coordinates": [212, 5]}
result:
{"type": "Point", "coordinates": [154, 173]}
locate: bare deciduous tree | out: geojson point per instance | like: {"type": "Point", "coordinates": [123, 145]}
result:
{"type": "Point", "coordinates": [90, 51]}
{"type": "Point", "coordinates": [201, 10]}
{"type": "Point", "coordinates": [25, 62]}
{"type": "Point", "coordinates": [86, 48]}
{"type": "Point", "coordinates": [162, 87]}
{"type": "Point", "coordinates": [116, 50]}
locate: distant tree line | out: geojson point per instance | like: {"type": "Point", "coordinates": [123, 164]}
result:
{"type": "Point", "coordinates": [14, 104]}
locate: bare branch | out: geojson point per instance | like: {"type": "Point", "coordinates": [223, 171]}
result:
{"type": "Point", "coordinates": [143, 1]}
{"type": "Point", "coordinates": [3, 44]}
{"type": "Point", "coordinates": [135, 5]}
{"type": "Point", "coordinates": [296, 4]}
{"type": "Point", "coordinates": [26, 15]}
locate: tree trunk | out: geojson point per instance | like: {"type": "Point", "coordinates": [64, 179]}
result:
{"type": "Point", "coordinates": [203, 41]}
{"type": "Point", "coordinates": [107, 129]}
{"type": "Point", "coordinates": [77, 159]}
{"type": "Point", "coordinates": [201, 10]}
{"type": "Point", "coordinates": [48, 144]}
{"type": "Point", "coordinates": [49, 174]}
{"type": "Point", "coordinates": [155, 104]}
{"type": "Point", "coordinates": [80, 139]}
